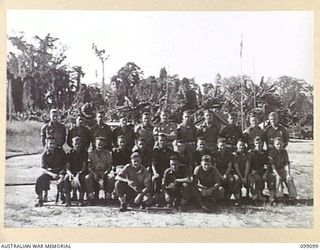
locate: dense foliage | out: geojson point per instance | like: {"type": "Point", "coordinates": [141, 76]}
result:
{"type": "Point", "coordinates": [40, 79]}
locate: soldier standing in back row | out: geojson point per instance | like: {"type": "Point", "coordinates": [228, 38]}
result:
{"type": "Point", "coordinates": [101, 130]}
{"type": "Point", "coordinates": [209, 130]}
{"type": "Point", "coordinates": [232, 133]}
{"type": "Point", "coordinates": [166, 128]}
{"type": "Point", "coordinates": [187, 132]}
{"type": "Point", "coordinates": [252, 132]}
{"type": "Point", "coordinates": [145, 130]}
{"type": "Point", "coordinates": [79, 131]}
{"type": "Point", "coordinates": [275, 129]}
{"type": "Point", "coordinates": [53, 129]}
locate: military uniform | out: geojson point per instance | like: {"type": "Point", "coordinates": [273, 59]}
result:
{"type": "Point", "coordinates": [101, 130]}
{"type": "Point", "coordinates": [145, 132]}
{"type": "Point", "coordinates": [271, 133]}
{"type": "Point", "coordinates": [232, 133]}
{"type": "Point", "coordinates": [177, 191]}
{"type": "Point", "coordinates": [128, 133]}
{"type": "Point", "coordinates": [56, 130]}
{"type": "Point", "coordinates": [100, 162]}
{"type": "Point", "coordinates": [208, 182]}
{"type": "Point", "coordinates": [141, 180]}
{"type": "Point", "coordinates": [161, 161]}
{"type": "Point", "coordinates": [250, 133]}
{"type": "Point", "coordinates": [187, 133]}
{"type": "Point", "coordinates": [210, 133]}
{"type": "Point", "coordinates": [53, 161]}
{"type": "Point", "coordinates": [280, 159]}
{"type": "Point", "coordinates": [82, 132]}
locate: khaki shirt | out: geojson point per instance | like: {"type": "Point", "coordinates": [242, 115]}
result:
{"type": "Point", "coordinates": [100, 162]}
{"type": "Point", "coordinates": [140, 177]}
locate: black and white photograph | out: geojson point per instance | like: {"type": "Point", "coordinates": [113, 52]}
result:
{"type": "Point", "coordinates": [159, 119]}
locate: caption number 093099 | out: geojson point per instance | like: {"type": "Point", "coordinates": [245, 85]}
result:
{"type": "Point", "coordinates": [309, 245]}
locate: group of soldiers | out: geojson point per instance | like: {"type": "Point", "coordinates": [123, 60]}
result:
{"type": "Point", "coordinates": [166, 164]}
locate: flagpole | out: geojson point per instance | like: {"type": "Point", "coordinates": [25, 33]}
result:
{"type": "Point", "coordinates": [241, 85]}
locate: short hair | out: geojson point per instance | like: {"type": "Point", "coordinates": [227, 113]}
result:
{"type": "Point", "coordinates": [50, 138]}
{"type": "Point", "coordinates": [76, 139]}
{"type": "Point", "coordinates": [141, 139]}
{"type": "Point", "coordinates": [257, 139]}
{"type": "Point", "coordinates": [278, 139]}
{"type": "Point", "coordinates": [121, 137]}
{"type": "Point", "coordinates": [174, 158]}
{"type": "Point", "coordinates": [145, 113]}
{"type": "Point", "coordinates": [206, 158]}
{"type": "Point", "coordinates": [164, 111]}
{"type": "Point", "coordinates": [273, 114]}
{"type": "Point", "coordinates": [252, 115]}
{"type": "Point", "coordinates": [201, 138]}
{"type": "Point", "coordinates": [162, 136]}
{"type": "Point", "coordinates": [135, 155]}
{"type": "Point", "coordinates": [181, 141]}
{"type": "Point", "coordinates": [101, 113]}
{"type": "Point", "coordinates": [221, 139]}
{"type": "Point", "coordinates": [240, 140]}
{"type": "Point", "coordinates": [186, 112]}
{"type": "Point", "coordinates": [53, 111]}
{"type": "Point", "coordinates": [100, 138]}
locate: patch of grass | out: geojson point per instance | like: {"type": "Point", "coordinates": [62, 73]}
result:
{"type": "Point", "coordinates": [23, 137]}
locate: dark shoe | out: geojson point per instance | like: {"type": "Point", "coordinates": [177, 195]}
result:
{"type": "Point", "coordinates": [39, 203]}
{"type": "Point", "coordinates": [142, 205]}
{"type": "Point", "coordinates": [169, 205]}
{"type": "Point", "coordinates": [123, 207]}
{"type": "Point", "coordinates": [74, 198]}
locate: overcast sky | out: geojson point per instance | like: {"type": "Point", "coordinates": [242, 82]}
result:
{"type": "Point", "coordinates": [190, 44]}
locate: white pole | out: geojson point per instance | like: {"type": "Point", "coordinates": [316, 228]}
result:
{"type": "Point", "coordinates": [241, 85]}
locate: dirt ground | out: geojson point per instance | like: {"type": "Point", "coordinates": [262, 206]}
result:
{"type": "Point", "coordinates": [20, 200]}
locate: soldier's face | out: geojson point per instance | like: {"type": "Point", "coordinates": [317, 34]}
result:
{"type": "Point", "coordinates": [181, 147]}
{"type": "Point", "coordinates": [163, 117]}
{"type": "Point", "coordinates": [162, 142]}
{"type": "Point", "coordinates": [258, 145]}
{"type": "Point", "coordinates": [207, 117]}
{"type": "Point", "coordinates": [76, 145]}
{"type": "Point", "coordinates": [79, 121]}
{"type": "Point", "coordinates": [123, 121]}
{"type": "Point", "coordinates": [173, 165]}
{"type": "Point", "coordinates": [186, 118]}
{"type": "Point", "coordinates": [253, 121]}
{"type": "Point", "coordinates": [221, 145]}
{"type": "Point", "coordinates": [51, 144]}
{"type": "Point", "coordinates": [54, 116]}
{"type": "Point", "coordinates": [240, 146]}
{"type": "Point", "coordinates": [145, 120]}
{"type": "Point", "coordinates": [278, 144]}
{"type": "Point", "coordinates": [231, 120]}
{"type": "Point", "coordinates": [205, 165]}
{"type": "Point", "coordinates": [140, 144]}
{"type": "Point", "coordinates": [121, 142]}
{"type": "Point", "coordinates": [136, 162]}
{"type": "Point", "coordinates": [99, 145]}
{"type": "Point", "coordinates": [274, 121]}
{"type": "Point", "coordinates": [201, 145]}
{"type": "Point", "coordinates": [99, 118]}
